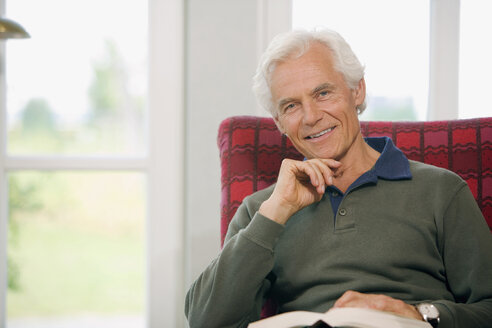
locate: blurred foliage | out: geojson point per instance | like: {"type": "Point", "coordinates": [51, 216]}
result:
{"type": "Point", "coordinates": [22, 198]}
{"type": "Point", "coordinates": [38, 117]}
{"type": "Point", "coordinates": [108, 89]}
{"type": "Point", "coordinates": [115, 114]}
{"type": "Point", "coordinates": [37, 131]}
{"type": "Point", "coordinates": [13, 274]}
{"type": "Point", "coordinates": [390, 109]}
{"type": "Point", "coordinates": [113, 123]}
{"type": "Point", "coordinates": [23, 195]}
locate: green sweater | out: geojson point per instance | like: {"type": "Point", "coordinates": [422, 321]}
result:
{"type": "Point", "coordinates": [422, 239]}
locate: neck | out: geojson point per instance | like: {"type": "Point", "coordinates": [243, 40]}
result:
{"type": "Point", "coordinates": [359, 159]}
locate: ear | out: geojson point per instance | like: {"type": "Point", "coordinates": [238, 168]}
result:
{"type": "Point", "coordinates": [360, 93]}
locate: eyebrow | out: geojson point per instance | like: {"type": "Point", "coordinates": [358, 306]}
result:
{"type": "Point", "coordinates": [284, 102]}
{"type": "Point", "coordinates": [321, 87]}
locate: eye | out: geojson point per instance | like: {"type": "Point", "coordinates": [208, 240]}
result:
{"type": "Point", "coordinates": [323, 94]}
{"type": "Point", "coordinates": [289, 107]}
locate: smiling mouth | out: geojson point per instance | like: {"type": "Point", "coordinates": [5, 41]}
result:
{"type": "Point", "coordinates": [317, 135]}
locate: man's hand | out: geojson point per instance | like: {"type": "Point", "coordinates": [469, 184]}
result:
{"type": "Point", "coordinates": [377, 302]}
{"type": "Point", "coordinates": [299, 184]}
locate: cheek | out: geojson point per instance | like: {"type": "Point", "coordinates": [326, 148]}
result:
{"type": "Point", "coordinates": [288, 125]}
{"type": "Point", "coordinates": [353, 123]}
{"type": "Point", "coordinates": [290, 130]}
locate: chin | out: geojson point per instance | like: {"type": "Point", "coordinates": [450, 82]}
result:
{"type": "Point", "coordinates": [322, 154]}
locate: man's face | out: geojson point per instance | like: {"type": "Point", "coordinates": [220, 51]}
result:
{"type": "Point", "coordinates": [316, 109]}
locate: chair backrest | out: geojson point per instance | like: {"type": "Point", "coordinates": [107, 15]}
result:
{"type": "Point", "coordinates": [252, 149]}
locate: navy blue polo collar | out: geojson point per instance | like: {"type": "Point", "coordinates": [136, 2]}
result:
{"type": "Point", "coordinates": [392, 164]}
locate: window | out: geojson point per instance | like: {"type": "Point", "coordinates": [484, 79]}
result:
{"type": "Point", "coordinates": [393, 47]}
{"type": "Point", "coordinates": [76, 166]}
{"type": "Point", "coordinates": [392, 38]}
{"type": "Point", "coordinates": [475, 54]}
{"type": "Point", "coordinates": [76, 249]}
{"type": "Point", "coordinates": [77, 87]}
{"type": "Point", "coordinates": [143, 157]}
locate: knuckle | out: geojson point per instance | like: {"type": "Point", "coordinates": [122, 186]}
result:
{"type": "Point", "coordinates": [399, 304]}
{"type": "Point", "coordinates": [380, 303]}
{"type": "Point", "coordinates": [349, 294]}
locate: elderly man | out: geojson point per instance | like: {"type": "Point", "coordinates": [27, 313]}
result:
{"type": "Point", "coordinates": [356, 223]}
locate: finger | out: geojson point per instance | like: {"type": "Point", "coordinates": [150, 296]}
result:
{"type": "Point", "coordinates": [303, 172]}
{"type": "Point", "coordinates": [331, 162]}
{"type": "Point", "coordinates": [347, 298]}
{"type": "Point", "coordinates": [335, 166]}
{"type": "Point", "coordinates": [292, 169]}
{"type": "Point", "coordinates": [315, 177]}
{"type": "Point", "coordinates": [377, 302]}
{"type": "Point", "coordinates": [326, 172]}
{"type": "Point", "coordinates": [320, 187]}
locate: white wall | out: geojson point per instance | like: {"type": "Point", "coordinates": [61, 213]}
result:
{"type": "Point", "coordinates": [224, 40]}
{"type": "Point", "coordinates": [220, 61]}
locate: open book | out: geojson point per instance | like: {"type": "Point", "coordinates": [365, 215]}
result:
{"type": "Point", "coordinates": [339, 317]}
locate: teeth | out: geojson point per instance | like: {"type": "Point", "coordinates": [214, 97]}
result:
{"type": "Point", "coordinates": [319, 134]}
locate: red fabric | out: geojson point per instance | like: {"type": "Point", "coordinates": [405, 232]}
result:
{"type": "Point", "coordinates": [252, 149]}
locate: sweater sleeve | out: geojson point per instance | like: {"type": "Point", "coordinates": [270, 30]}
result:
{"type": "Point", "coordinates": [466, 247]}
{"type": "Point", "coordinates": [231, 290]}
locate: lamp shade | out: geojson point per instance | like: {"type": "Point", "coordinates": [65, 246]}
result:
{"type": "Point", "coordinates": [11, 30]}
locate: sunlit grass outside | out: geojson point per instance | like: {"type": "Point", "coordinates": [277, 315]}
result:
{"type": "Point", "coordinates": [78, 243]}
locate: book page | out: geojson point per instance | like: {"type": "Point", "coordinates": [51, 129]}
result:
{"type": "Point", "coordinates": [288, 320]}
{"type": "Point", "coordinates": [367, 318]}
{"type": "Point", "coordinates": [347, 317]}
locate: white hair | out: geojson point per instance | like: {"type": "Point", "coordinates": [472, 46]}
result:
{"type": "Point", "coordinates": [296, 43]}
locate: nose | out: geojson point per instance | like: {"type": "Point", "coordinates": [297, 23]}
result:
{"type": "Point", "coordinates": [311, 113]}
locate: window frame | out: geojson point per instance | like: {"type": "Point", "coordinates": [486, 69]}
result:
{"type": "Point", "coordinates": [165, 196]}
{"type": "Point", "coordinates": [443, 60]}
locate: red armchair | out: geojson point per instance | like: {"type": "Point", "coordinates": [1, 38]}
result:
{"type": "Point", "coordinates": [252, 149]}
